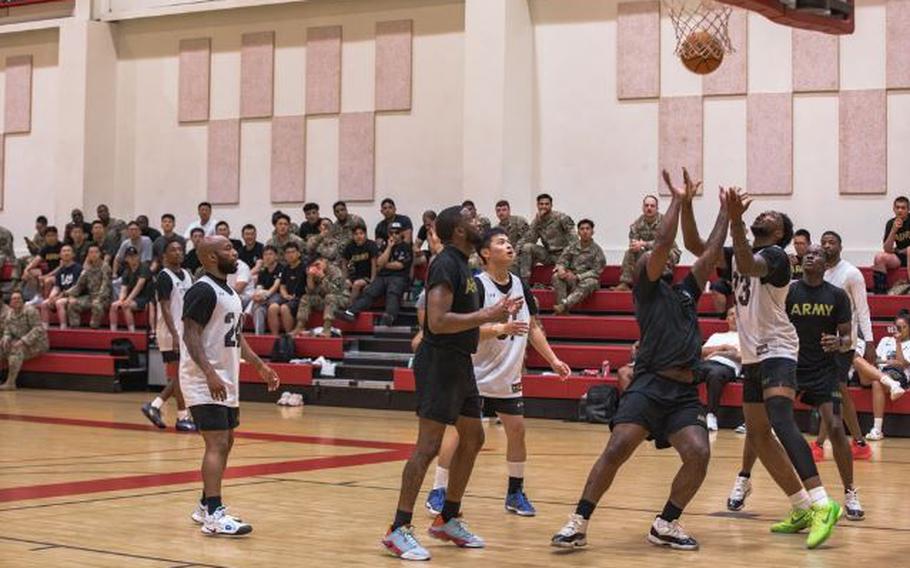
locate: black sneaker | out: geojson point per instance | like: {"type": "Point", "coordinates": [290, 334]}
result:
{"type": "Point", "coordinates": [346, 315]}
{"type": "Point", "coordinates": [386, 320]}
{"type": "Point", "coordinates": [185, 425]}
{"type": "Point", "coordinates": [153, 414]}
{"type": "Point", "coordinates": [572, 535]}
{"type": "Point", "coordinates": [664, 533]}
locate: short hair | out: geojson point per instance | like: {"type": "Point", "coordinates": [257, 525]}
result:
{"type": "Point", "coordinates": [337, 203]}
{"type": "Point", "coordinates": [143, 217]}
{"type": "Point", "coordinates": [904, 314]}
{"type": "Point", "coordinates": [93, 245]}
{"type": "Point", "coordinates": [902, 199]}
{"type": "Point", "coordinates": [503, 203]}
{"type": "Point", "coordinates": [585, 222]}
{"type": "Point", "coordinates": [468, 203]}
{"type": "Point", "coordinates": [279, 217]}
{"type": "Point", "coordinates": [545, 196]}
{"type": "Point", "coordinates": [169, 216]}
{"type": "Point", "coordinates": [97, 222]}
{"type": "Point", "coordinates": [447, 221]}
{"type": "Point", "coordinates": [650, 196]}
{"type": "Point", "coordinates": [488, 237]}
{"type": "Point", "coordinates": [803, 233]}
{"type": "Point", "coordinates": [269, 248]}
{"type": "Point", "coordinates": [388, 201]}
{"type": "Point", "coordinates": [247, 227]}
{"type": "Point", "coordinates": [77, 226]}
{"type": "Point", "coordinates": [222, 223]}
{"type": "Point", "coordinates": [131, 223]}
{"type": "Point", "coordinates": [196, 230]}
{"type": "Point", "coordinates": [67, 246]}
{"type": "Point", "coordinates": [430, 214]}
{"type": "Point", "coordinates": [359, 227]}
{"type": "Point", "coordinates": [832, 234]}
{"type": "Point", "coordinates": [204, 204]}
{"type": "Point", "coordinates": [51, 229]}
{"type": "Point", "coordinates": [310, 207]}
{"type": "Point", "coordinates": [788, 230]}
{"type": "Point", "coordinates": [292, 245]}
{"type": "Point", "coordinates": [41, 219]}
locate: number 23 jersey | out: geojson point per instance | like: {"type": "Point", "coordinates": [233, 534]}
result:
{"type": "Point", "coordinates": [765, 330]}
{"type": "Point", "coordinates": [212, 304]}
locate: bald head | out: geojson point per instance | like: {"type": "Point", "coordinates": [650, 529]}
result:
{"type": "Point", "coordinates": [217, 256]}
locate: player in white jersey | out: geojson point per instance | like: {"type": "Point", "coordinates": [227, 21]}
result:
{"type": "Point", "coordinates": [498, 367]}
{"type": "Point", "coordinates": [172, 282]}
{"type": "Point", "coordinates": [210, 354]}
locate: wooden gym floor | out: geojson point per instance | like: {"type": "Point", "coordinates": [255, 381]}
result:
{"type": "Point", "coordinates": [84, 481]}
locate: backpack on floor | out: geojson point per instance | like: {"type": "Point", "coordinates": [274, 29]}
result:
{"type": "Point", "coordinates": [284, 349]}
{"type": "Point", "coordinates": [599, 404]}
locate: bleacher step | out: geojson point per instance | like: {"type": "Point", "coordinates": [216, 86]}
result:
{"type": "Point", "coordinates": [379, 358]}
{"type": "Point", "coordinates": [364, 372]}
{"type": "Point", "coordinates": [385, 344]}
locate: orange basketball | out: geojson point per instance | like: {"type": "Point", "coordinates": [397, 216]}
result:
{"type": "Point", "coordinates": [701, 52]}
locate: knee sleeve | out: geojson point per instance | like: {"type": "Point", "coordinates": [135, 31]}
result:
{"type": "Point", "coordinates": [780, 414]}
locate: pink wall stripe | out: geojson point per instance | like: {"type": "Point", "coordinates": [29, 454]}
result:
{"type": "Point", "coordinates": [393, 65]}
{"type": "Point", "coordinates": [2, 167]}
{"type": "Point", "coordinates": [224, 161]}
{"type": "Point", "coordinates": [638, 50]}
{"type": "Point", "coordinates": [863, 142]}
{"type": "Point", "coordinates": [288, 181]}
{"type": "Point", "coordinates": [195, 73]}
{"type": "Point", "coordinates": [323, 70]}
{"type": "Point", "coordinates": [732, 78]}
{"type": "Point", "coordinates": [680, 137]}
{"type": "Point", "coordinates": [897, 41]}
{"type": "Point", "coordinates": [18, 108]}
{"type": "Point", "coordinates": [816, 62]}
{"type": "Point", "coordinates": [769, 144]}
{"type": "Point", "coordinates": [257, 72]}
{"type": "Point", "coordinates": [356, 151]}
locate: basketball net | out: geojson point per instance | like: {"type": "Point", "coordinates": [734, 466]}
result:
{"type": "Point", "coordinates": [709, 16]}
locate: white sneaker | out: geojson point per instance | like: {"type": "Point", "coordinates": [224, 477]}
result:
{"type": "Point", "coordinates": [852, 505]}
{"type": "Point", "coordinates": [742, 487]}
{"type": "Point", "coordinates": [897, 391]}
{"type": "Point", "coordinates": [199, 513]}
{"type": "Point", "coordinates": [712, 422]}
{"type": "Point", "coordinates": [283, 401]}
{"type": "Point", "coordinates": [670, 534]}
{"type": "Point", "coordinates": [295, 400]}
{"type": "Point", "coordinates": [573, 534]}
{"type": "Point", "coordinates": [875, 435]}
{"type": "Point", "coordinates": [220, 523]}
{"type": "Point", "coordinates": [741, 429]}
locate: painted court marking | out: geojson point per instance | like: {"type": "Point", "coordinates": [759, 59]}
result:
{"type": "Point", "coordinates": [390, 451]}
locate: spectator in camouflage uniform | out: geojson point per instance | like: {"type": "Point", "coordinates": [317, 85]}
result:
{"type": "Point", "coordinates": [325, 244]}
{"type": "Point", "coordinates": [555, 230]}
{"type": "Point", "coordinates": [36, 243]}
{"type": "Point", "coordinates": [514, 225]}
{"type": "Point", "coordinates": [91, 291]}
{"type": "Point", "coordinates": [577, 273]}
{"type": "Point", "coordinates": [283, 235]}
{"type": "Point", "coordinates": [24, 338]}
{"type": "Point", "coordinates": [7, 252]}
{"type": "Point", "coordinates": [344, 224]}
{"type": "Point", "coordinates": [642, 234]}
{"type": "Point", "coordinates": [326, 289]}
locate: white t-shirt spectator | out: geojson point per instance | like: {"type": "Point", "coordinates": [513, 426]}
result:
{"type": "Point", "coordinates": [887, 350]}
{"type": "Point", "coordinates": [209, 229]}
{"type": "Point", "coordinates": [725, 338]}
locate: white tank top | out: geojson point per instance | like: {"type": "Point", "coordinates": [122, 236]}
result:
{"type": "Point", "coordinates": [765, 331]}
{"type": "Point", "coordinates": [499, 363]}
{"type": "Point", "coordinates": [178, 289]}
{"type": "Point", "coordinates": [221, 342]}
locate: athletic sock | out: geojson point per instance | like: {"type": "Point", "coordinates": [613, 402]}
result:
{"type": "Point", "coordinates": [402, 518]}
{"type": "Point", "coordinates": [157, 403]}
{"type": "Point", "coordinates": [801, 500]}
{"type": "Point", "coordinates": [746, 474]}
{"type": "Point", "coordinates": [671, 512]}
{"type": "Point", "coordinates": [819, 496]}
{"type": "Point", "coordinates": [877, 423]}
{"type": "Point", "coordinates": [212, 504]}
{"type": "Point", "coordinates": [516, 484]}
{"type": "Point", "coordinates": [585, 508]}
{"type": "Point", "coordinates": [183, 414]}
{"type": "Point", "coordinates": [516, 476]}
{"type": "Point", "coordinates": [450, 510]}
{"type": "Point", "coordinates": [442, 478]}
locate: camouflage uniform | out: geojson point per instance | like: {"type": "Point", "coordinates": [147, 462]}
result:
{"type": "Point", "coordinates": [91, 291]}
{"type": "Point", "coordinates": [37, 244]}
{"type": "Point", "coordinates": [483, 224]}
{"type": "Point", "coordinates": [279, 245]}
{"type": "Point", "coordinates": [331, 294]}
{"type": "Point", "coordinates": [556, 231]}
{"type": "Point", "coordinates": [80, 251]}
{"type": "Point", "coordinates": [643, 230]}
{"type": "Point", "coordinates": [344, 232]}
{"type": "Point", "coordinates": [517, 227]}
{"type": "Point", "coordinates": [586, 262]}
{"type": "Point", "coordinates": [7, 252]}
{"type": "Point", "coordinates": [324, 246]}
{"type": "Point", "coordinates": [25, 326]}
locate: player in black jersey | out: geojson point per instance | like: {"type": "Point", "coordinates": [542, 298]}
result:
{"type": "Point", "coordinates": [662, 402]}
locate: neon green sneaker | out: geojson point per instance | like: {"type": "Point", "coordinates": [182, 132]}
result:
{"type": "Point", "coordinates": [823, 520]}
{"type": "Point", "coordinates": [799, 519]}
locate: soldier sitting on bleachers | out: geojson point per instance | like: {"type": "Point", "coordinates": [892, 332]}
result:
{"type": "Point", "coordinates": [577, 273]}
{"type": "Point", "coordinates": [553, 229]}
{"type": "Point", "coordinates": [326, 289]}
{"type": "Point", "coordinates": [641, 238]}
{"type": "Point", "coordinates": [24, 338]}
{"type": "Point", "coordinates": [91, 291]}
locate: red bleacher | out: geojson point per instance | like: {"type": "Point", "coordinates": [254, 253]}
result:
{"type": "Point", "coordinates": [331, 348]}
{"type": "Point", "coordinates": [85, 364]}
{"type": "Point", "coordinates": [297, 375]}
{"type": "Point", "coordinates": [607, 301]}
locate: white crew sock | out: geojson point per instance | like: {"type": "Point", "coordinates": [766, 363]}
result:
{"type": "Point", "coordinates": [183, 414]}
{"type": "Point", "coordinates": [516, 469]}
{"type": "Point", "coordinates": [877, 424]}
{"type": "Point", "coordinates": [157, 403]}
{"type": "Point", "coordinates": [801, 500]}
{"type": "Point", "coordinates": [442, 478]}
{"type": "Point", "coordinates": [819, 496]}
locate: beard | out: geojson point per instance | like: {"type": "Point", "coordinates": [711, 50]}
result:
{"type": "Point", "coordinates": [475, 238]}
{"type": "Point", "coordinates": [760, 232]}
{"type": "Point", "coordinates": [227, 266]}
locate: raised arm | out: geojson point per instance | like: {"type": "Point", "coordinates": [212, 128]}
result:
{"type": "Point", "coordinates": [666, 234]}
{"type": "Point", "coordinates": [713, 249]}
{"type": "Point", "coordinates": [747, 263]}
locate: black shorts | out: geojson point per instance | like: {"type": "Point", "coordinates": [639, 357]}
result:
{"type": "Point", "coordinates": [514, 406]}
{"type": "Point", "coordinates": [662, 406]}
{"type": "Point", "coordinates": [215, 416]}
{"type": "Point", "coordinates": [141, 304]}
{"type": "Point", "coordinates": [816, 387]}
{"type": "Point", "coordinates": [844, 363]}
{"type": "Point", "coordinates": [903, 258]}
{"type": "Point", "coordinates": [715, 370]}
{"type": "Point", "coordinates": [292, 305]}
{"type": "Point", "coordinates": [170, 356]}
{"type": "Point", "coordinates": [446, 388]}
{"type": "Point", "coordinates": [773, 372]}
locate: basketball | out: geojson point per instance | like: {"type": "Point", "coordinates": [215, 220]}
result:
{"type": "Point", "coordinates": [701, 52]}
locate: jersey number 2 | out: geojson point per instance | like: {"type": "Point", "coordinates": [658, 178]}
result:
{"type": "Point", "coordinates": [743, 288]}
{"type": "Point", "coordinates": [230, 338]}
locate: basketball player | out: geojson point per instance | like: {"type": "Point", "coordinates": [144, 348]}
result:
{"type": "Point", "coordinates": [172, 282]}
{"type": "Point", "coordinates": [662, 402]}
{"type": "Point", "coordinates": [213, 345]}
{"type": "Point", "coordinates": [446, 390]}
{"type": "Point", "coordinates": [769, 346]}
{"type": "Point", "coordinates": [498, 366]}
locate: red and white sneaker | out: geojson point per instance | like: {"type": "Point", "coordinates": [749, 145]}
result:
{"type": "Point", "coordinates": [818, 452]}
{"type": "Point", "coordinates": [861, 452]}
{"type": "Point", "coordinates": [220, 523]}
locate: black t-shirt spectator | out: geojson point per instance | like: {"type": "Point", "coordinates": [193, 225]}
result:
{"type": "Point", "coordinates": [67, 276]}
{"type": "Point", "coordinates": [51, 255]}
{"type": "Point", "coordinates": [451, 269]}
{"type": "Point", "coordinates": [360, 258]}
{"type": "Point", "coordinates": [191, 262]}
{"type": "Point", "coordinates": [422, 233]}
{"type": "Point", "coordinates": [902, 238]}
{"type": "Point", "coordinates": [131, 277]}
{"type": "Point", "coordinates": [294, 279]}
{"type": "Point", "coordinates": [817, 310]}
{"type": "Point", "coordinates": [267, 277]}
{"type": "Point", "coordinates": [306, 230]}
{"type": "Point", "coordinates": [382, 228]}
{"type": "Point", "coordinates": [152, 234]}
{"type": "Point", "coordinates": [403, 253]}
{"type": "Point", "coordinates": [250, 256]}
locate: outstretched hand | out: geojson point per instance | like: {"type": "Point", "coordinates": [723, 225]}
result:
{"type": "Point", "coordinates": [738, 202]}
{"type": "Point", "coordinates": [689, 190]}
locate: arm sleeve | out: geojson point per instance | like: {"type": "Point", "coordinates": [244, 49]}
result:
{"type": "Point", "coordinates": [857, 290]}
{"type": "Point", "coordinates": [442, 272]}
{"type": "Point", "coordinates": [531, 299]}
{"type": "Point", "coordinates": [199, 303]}
{"type": "Point", "coordinates": [888, 226]}
{"type": "Point", "coordinates": [480, 293]}
{"type": "Point", "coordinates": [164, 286]}
{"type": "Point", "coordinates": [778, 267]}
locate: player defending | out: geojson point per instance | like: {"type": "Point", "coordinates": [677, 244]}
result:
{"type": "Point", "coordinates": [662, 402]}
{"type": "Point", "coordinates": [446, 389]}
{"type": "Point", "coordinates": [213, 345]}
{"type": "Point", "coordinates": [498, 366]}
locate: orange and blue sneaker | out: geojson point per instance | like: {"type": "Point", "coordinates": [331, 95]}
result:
{"type": "Point", "coordinates": [455, 531]}
{"type": "Point", "coordinates": [402, 543]}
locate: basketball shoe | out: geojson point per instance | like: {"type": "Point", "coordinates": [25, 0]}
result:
{"type": "Point", "coordinates": [824, 517]}
{"type": "Point", "coordinates": [455, 531]}
{"type": "Point", "coordinates": [572, 534]}
{"type": "Point", "coordinates": [402, 543]}
{"type": "Point", "coordinates": [435, 500]}
{"type": "Point", "coordinates": [519, 504]}
{"type": "Point", "coordinates": [220, 523]}
{"type": "Point", "coordinates": [742, 488]}
{"type": "Point", "coordinates": [667, 533]}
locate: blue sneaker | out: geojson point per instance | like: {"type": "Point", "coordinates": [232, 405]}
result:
{"type": "Point", "coordinates": [519, 504]}
{"type": "Point", "coordinates": [402, 543]}
{"type": "Point", "coordinates": [455, 531]}
{"type": "Point", "coordinates": [435, 500]}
